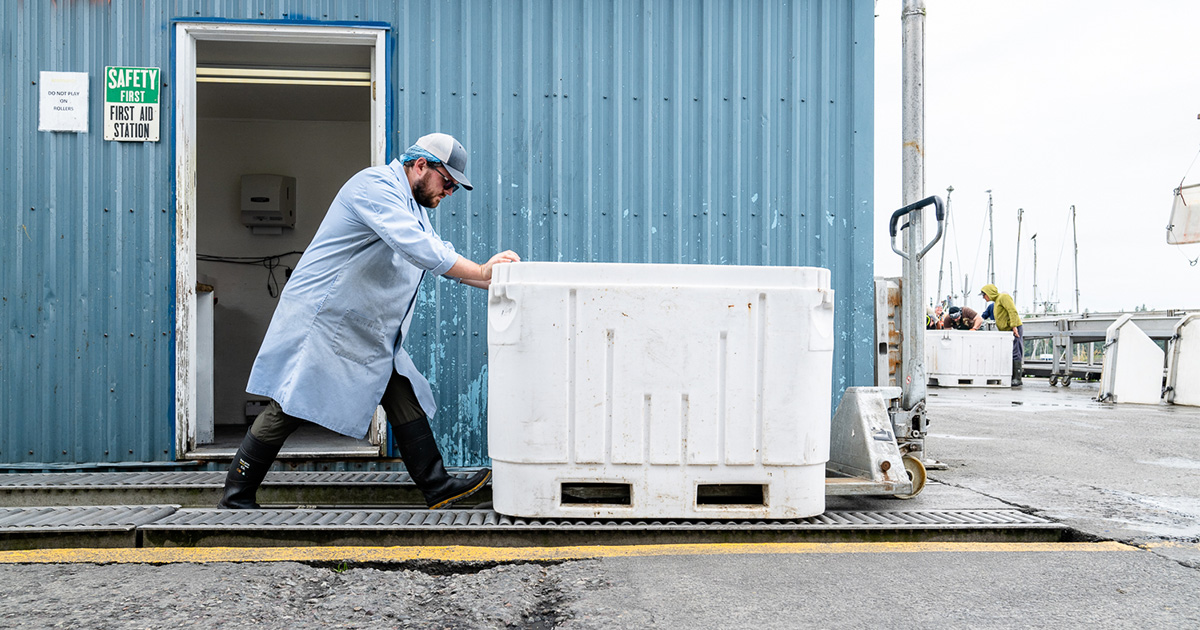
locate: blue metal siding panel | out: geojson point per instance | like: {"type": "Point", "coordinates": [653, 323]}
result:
{"type": "Point", "coordinates": [87, 251]}
{"type": "Point", "coordinates": [639, 131]}
{"type": "Point", "coordinates": [717, 131]}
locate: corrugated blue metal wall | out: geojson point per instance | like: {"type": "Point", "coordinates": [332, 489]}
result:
{"type": "Point", "coordinates": [86, 241]}
{"type": "Point", "coordinates": [724, 132]}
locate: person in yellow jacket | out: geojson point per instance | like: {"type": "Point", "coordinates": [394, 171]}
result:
{"type": "Point", "coordinates": [1007, 318]}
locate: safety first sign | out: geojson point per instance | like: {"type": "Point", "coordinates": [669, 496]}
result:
{"type": "Point", "coordinates": [131, 104]}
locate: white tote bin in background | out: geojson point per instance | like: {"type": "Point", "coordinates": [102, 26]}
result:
{"type": "Point", "coordinates": [968, 358]}
{"type": "Point", "coordinates": [659, 391]}
{"type": "Point", "coordinates": [1133, 365]}
{"type": "Point", "coordinates": [1183, 370]}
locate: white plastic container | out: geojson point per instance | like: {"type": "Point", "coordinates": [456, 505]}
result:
{"type": "Point", "coordinates": [968, 358]}
{"type": "Point", "coordinates": [1183, 370]}
{"type": "Point", "coordinates": [1133, 365]}
{"type": "Point", "coordinates": [659, 391]}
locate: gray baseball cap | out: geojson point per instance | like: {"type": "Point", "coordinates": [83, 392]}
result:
{"type": "Point", "coordinates": [444, 147]}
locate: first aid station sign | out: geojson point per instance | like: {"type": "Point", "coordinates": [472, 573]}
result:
{"type": "Point", "coordinates": [131, 104]}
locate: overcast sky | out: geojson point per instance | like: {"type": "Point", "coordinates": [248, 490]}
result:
{"type": "Point", "coordinates": [1049, 104]}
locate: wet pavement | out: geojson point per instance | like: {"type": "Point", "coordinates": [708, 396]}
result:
{"type": "Point", "coordinates": [1121, 472]}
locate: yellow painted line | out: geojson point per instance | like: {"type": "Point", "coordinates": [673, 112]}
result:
{"type": "Point", "coordinates": [352, 555]}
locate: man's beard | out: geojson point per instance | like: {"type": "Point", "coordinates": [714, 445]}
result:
{"type": "Point", "coordinates": [423, 195]}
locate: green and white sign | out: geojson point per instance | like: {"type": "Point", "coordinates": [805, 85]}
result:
{"type": "Point", "coordinates": [131, 104]}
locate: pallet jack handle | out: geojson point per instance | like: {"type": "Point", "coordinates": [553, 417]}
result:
{"type": "Point", "coordinates": [939, 213]}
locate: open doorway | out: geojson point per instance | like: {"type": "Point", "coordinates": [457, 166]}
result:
{"type": "Point", "coordinates": [271, 120]}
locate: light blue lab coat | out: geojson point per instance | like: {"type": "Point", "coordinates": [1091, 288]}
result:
{"type": "Point", "coordinates": [337, 332]}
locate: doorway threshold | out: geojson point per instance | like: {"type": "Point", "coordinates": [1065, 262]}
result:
{"type": "Point", "coordinates": [308, 442]}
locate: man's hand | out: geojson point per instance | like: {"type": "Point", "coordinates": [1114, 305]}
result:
{"type": "Point", "coordinates": [480, 276]}
{"type": "Point", "coordinates": [506, 256]}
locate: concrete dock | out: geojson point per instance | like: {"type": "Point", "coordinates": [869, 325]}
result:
{"type": "Point", "coordinates": [1111, 494]}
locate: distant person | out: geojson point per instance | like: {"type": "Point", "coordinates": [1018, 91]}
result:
{"type": "Point", "coordinates": [987, 312]}
{"type": "Point", "coordinates": [934, 318]}
{"type": "Point", "coordinates": [1007, 319]}
{"type": "Point", "coordinates": [335, 346]}
{"type": "Point", "coordinates": [963, 318]}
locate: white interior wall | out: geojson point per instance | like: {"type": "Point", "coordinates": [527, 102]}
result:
{"type": "Point", "coordinates": [321, 155]}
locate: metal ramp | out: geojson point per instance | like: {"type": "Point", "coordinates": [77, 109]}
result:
{"type": "Point", "coordinates": [78, 526]}
{"type": "Point", "coordinates": [170, 526]}
{"type": "Point", "coordinates": [203, 489]}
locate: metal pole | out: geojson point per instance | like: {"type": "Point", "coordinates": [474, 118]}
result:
{"type": "Point", "coordinates": [912, 113]}
{"type": "Point", "coordinates": [1075, 237]}
{"type": "Point", "coordinates": [952, 293]}
{"type": "Point", "coordinates": [942, 265]}
{"type": "Point", "coordinates": [991, 244]}
{"type": "Point", "coordinates": [1017, 266]}
{"type": "Point", "coordinates": [1035, 302]}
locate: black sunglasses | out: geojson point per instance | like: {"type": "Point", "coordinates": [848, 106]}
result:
{"type": "Point", "coordinates": [446, 183]}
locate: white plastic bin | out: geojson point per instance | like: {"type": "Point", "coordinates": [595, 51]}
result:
{"type": "Point", "coordinates": [1133, 365]}
{"type": "Point", "coordinates": [1183, 371]}
{"type": "Point", "coordinates": [659, 391]}
{"type": "Point", "coordinates": [968, 358]}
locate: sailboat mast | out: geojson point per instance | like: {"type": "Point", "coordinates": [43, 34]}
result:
{"type": "Point", "coordinates": [952, 294]}
{"type": "Point", "coordinates": [942, 265]}
{"type": "Point", "coordinates": [1075, 238]}
{"type": "Point", "coordinates": [991, 244]}
{"type": "Point", "coordinates": [1035, 302]}
{"type": "Point", "coordinates": [1017, 267]}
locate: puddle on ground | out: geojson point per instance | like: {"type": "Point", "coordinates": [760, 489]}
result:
{"type": "Point", "coordinates": [943, 436]}
{"type": "Point", "coordinates": [1174, 462]}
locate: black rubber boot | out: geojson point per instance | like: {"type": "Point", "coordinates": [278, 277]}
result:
{"type": "Point", "coordinates": [246, 473]}
{"type": "Point", "coordinates": [424, 462]}
{"type": "Point", "coordinates": [1018, 368]}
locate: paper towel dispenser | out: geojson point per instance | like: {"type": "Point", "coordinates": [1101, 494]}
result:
{"type": "Point", "coordinates": [268, 203]}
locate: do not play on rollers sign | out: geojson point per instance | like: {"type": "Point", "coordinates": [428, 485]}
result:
{"type": "Point", "coordinates": [131, 104]}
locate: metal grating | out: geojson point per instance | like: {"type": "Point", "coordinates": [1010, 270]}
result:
{"type": "Point", "coordinates": [189, 479]}
{"type": "Point", "coordinates": [78, 519]}
{"type": "Point", "coordinates": [318, 520]}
